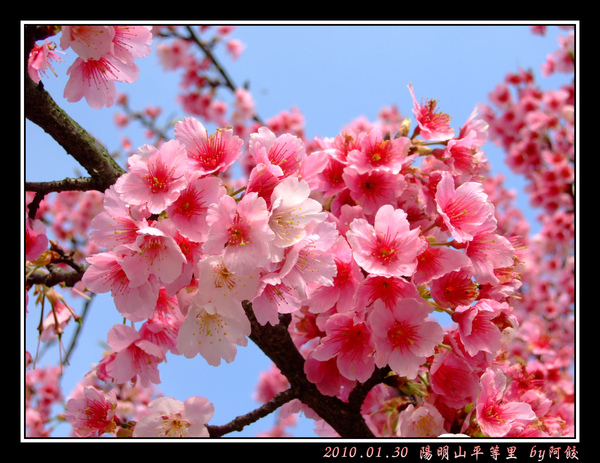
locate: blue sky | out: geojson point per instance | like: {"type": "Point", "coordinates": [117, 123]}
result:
{"type": "Point", "coordinates": [333, 74]}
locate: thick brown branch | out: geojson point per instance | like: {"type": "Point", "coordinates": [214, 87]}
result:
{"type": "Point", "coordinates": [42, 110]}
{"type": "Point", "coordinates": [277, 344]}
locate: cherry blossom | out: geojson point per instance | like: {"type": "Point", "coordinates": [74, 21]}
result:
{"type": "Point", "coordinates": [118, 223]}
{"type": "Point", "coordinates": [211, 332]}
{"type": "Point", "coordinates": [40, 60]}
{"type": "Point", "coordinates": [93, 414]}
{"type": "Point", "coordinates": [390, 290]}
{"type": "Point", "coordinates": [156, 176]}
{"type": "Point", "coordinates": [274, 298]}
{"type": "Point", "coordinates": [106, 55]}
{"type": "Point", "coordinates": [169, 417]}
{"type": "Point", "coordinates": [291, 211]}
{"type": "Point", "coordinates": [403, 337]}
{"type": "Point", "coordinates": [464, 209]}
{"type": "Point", "coordinates": [134, 356]}
{"type": "Point", "coordinates": [208, 154]}
{"type": "Point", "coordinates": [345, 282]}
{"type": "Point", "coordinates": [89, 42]}
{"type": "Point", "coordinates": [36, 240]}
{"type": "Point", "coordinates": [134, 299]}
{"type": "Point", "coordinates": [477, 328]}
{"type": "Point", "coordinates": [350, 342]}
{"type": "Point", "coordinates": [241, 232]}
{"type": "Point", "coordinates": [351, 241]}
{"type": "Point", "coordinates": [375, 152]}
{"type": "Point", "coordinates": [420, 422]}
{"type": "Point", "coordinates": [373, 189]}
{"type": "Point", "coordinates": [496, 416]}
{"type": "Point", "coordinates": [95, 80]}
{"type": "Point", "coordinates": [154, 252]}
{"type": "Point", "coordinates": [388, 247]}
{"type": "Point", "coordinates": [432, 125]}
{"type": "Point", "coordinates": [189, 211]}
{"type": "Point", "coordinates": [309, 262]}
{"type": "Point", "coordinates": [219, 285]}
{"type": "Point", "coordinates": [285, 151]}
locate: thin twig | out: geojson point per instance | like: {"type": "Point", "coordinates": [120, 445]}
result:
{"type": "Point", "coordinates": [241, 422]}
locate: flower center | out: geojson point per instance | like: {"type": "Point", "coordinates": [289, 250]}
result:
{"type": "Point", "coordinates": [239, 232]}
{"type": "Point", "coordinates": [403, 335]}
{"type": "Point", "coordinates": [158, 177]}
{"type": "Point", "coordinates": [173, 425]}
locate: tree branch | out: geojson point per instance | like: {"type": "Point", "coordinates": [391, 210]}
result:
{"type": "Point", "coordinates": [241, 421]}
{"type": "Point", "coordinates": [277, 344]}
{"type": "Point", "coordinates": [42, 110]}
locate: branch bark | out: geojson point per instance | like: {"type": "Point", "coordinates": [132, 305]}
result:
{"type": "Point", "coordinates": [275, 341]}
{"type": "Point", "coordinates": [242, 421]}
{"type": "Point", "coordinates": [42, 110]}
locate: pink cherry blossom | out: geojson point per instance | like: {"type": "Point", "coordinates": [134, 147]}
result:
{"type": "Point", "coordinates": [374, 188]}
{"type": "Point", "coordinates": [436, 261]}
{"type": "Point", "coordinates": [326, 376]}
{"type": "Point", "coordinates": [208, 154]}
{"type": "Point", "coordinates": [495, 415]}
{"type": "Point", "coordinates": [36, 240]}
{"type": "Point", "coordinates": [375, 152]}
{"type": "Point", "coordinates": [309, 262]}
{"type": "Point", "coordinates": [387, 289]}
{"type": "Point", "coordinates": [95, 80]}
{"type": "Point", "coordinates": [241, 232]}
{"type": "Point", "coordinates": [235, 48]}
{"type": "Point", "coordinates": [432, 125]}
{"type": "Point", "coordinates": [40, 60]}
{"type": "Point", "coordinates": [155, 252]}
{"type": "Point", "coordinates": [403, 336]}
{"type": "Point", "coordinates": [133, 299]}
{"type": "Point", "coordinates": [134, 356]}
{"type": "Point", "coordinates": [168, 417]}
{"type": "Point", "coordinates": [388, 247]}
{"type": "Point", "coordinates": [422, 421]}
{"type": "Point", "coordinates": [117, 224]}
{"type": "Point", "coordinates": [345, 282]}
{"type": "Point", "coordinates": [477, 328]}
{"type": "Point", "coordinates": [58, 317]}
{"type": "Point", "coordinates": [156, 176]}
{"type": "Point", "coordinates": [489, 251]}
{"type": "Point", "coordinates": [89, 42]}
{"type": "Point", "coordinates": [190, 209]}
{"type": "Point", "coordinates": [274, 297]}
{"type": "Point", "coordinates": [291, 211]}
{"type": "Point", "coordinates": [192, 251]}
{"type": "Point", "coordinates": [350, 342]}
{"type": "Point", "coordinates": [93, 414]}
{"type": "Point", "coordinates": [464, 209]}
{"type": "Point", "coordinates": [331, 180]}
{"type": "Point", "coordinates": [285, 151]}
{"type": "Point", "coordinates": [453, 377]}
{"type": "Point", "coordinates": [222, 287]}
{"type": "Point", "coordinates": [131, 42]}
{"type": "Point", "coordinates": [263, 179]}
{"type": "Point", "coordinates": [454, 288]}
{"type": "Point", "coordinates": [212, 332]}
{"type": "Point", "coordinates": [105, 54]}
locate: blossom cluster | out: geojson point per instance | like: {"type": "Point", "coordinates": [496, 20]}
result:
{"type": "Point", "coordinates": [361, 238]}
{"type": "Point", "coordinates": [105, 55]}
